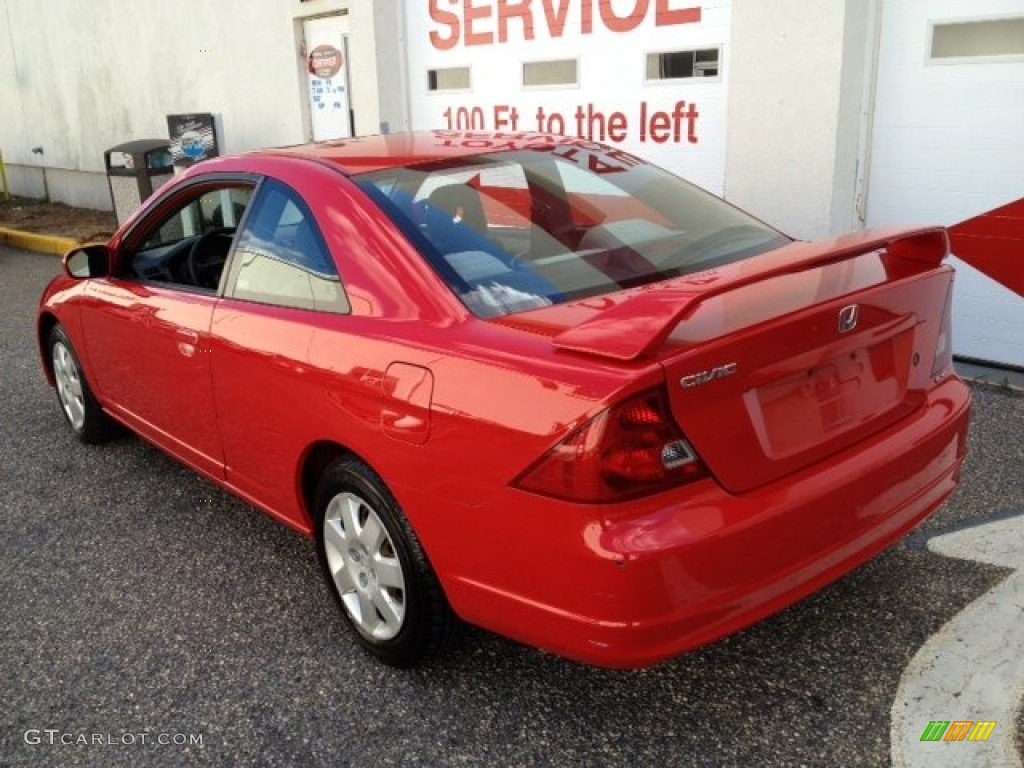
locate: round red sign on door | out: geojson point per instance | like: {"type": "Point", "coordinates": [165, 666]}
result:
{"type": "Point", "coordinates": [325, 61]}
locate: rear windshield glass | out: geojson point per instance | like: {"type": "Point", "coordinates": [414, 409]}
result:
{"type": "Point", "coordinates": [518, 230]}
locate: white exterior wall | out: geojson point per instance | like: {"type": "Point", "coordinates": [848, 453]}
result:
{"type": "Point", "coordinates": [78, 78]}
{"type": "Point", "coordinates": [392, 67]}
{"type": "Point", "coordinates": [795, 104]}
{"type": "Point", "coordinates": [949, 145]}
{"type": "Point", "coordinates": [611, 68]}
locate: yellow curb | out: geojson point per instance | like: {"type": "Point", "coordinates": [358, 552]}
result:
{"type": "Point", "coordinates": [30, 241]}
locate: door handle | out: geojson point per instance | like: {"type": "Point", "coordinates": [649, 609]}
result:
{"type": "Point", "coordinates": [187, 341]}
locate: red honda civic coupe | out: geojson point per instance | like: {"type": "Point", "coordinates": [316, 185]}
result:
{"type": "Point", "coordinates": [526, 381]}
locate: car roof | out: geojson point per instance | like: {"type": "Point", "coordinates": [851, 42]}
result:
{"type": "Point", "coordinates": [371, 153]}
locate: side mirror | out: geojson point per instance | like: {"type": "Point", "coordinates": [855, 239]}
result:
{"type": "Point", "coordinates": [87, 261]}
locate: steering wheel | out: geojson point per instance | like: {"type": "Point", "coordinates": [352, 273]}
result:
{"type": "Point", "coordinates": [206, 257]}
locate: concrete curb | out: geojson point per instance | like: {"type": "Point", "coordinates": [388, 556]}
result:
{"type": "Point", "coordinates": [1001, 378]}
{"type": "Point", "coordinates": [31, 241]}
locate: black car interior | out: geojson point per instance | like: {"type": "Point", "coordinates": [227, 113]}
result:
{"type": "Point", "coordinates": [190, 247]}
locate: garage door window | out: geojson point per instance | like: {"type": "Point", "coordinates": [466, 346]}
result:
{"type": "Point", "coordinates": [992, 39]}
{"type": "Point", "coordinates": [682, 65]}
{"type": "Point", "coordinates": [547, 73]}
{"type": "Point", "coordinates": [448, 79]}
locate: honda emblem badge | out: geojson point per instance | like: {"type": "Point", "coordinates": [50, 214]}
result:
{"type": "Point", "coordinates": [848, 317]}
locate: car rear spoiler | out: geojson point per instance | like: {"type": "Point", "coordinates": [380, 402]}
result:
{"type": "Point", "coordinates": [639, 325]}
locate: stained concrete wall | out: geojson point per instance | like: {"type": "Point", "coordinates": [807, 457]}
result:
{"type": "Point", "coordinates": [79, 77]}
{"type": "Point", "coordinates": [797, 104]}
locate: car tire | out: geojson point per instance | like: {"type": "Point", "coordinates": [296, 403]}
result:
{"type": "Point", "coordinates": [376, 568]}
{"type": "Point", "coordinates": [81, 410]}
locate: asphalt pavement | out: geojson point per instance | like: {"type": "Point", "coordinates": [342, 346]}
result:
{"type": "Point", "coordinates": [140, 605]}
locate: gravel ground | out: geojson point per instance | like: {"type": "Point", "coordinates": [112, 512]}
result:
{"type": "Point", "coordinates": [139, 599]}
{"type": "Point", "coordinates": [83, 224]}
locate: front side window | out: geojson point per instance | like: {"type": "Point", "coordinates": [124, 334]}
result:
{"type": "Point", "coordinates": [524, 229]}
{"type": "Point", "coordinates": [189, 246]}
{"type": "Point", "coordinates": [281, 257]}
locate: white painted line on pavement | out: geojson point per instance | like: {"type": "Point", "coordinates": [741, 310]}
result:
{"type": "Point", "coordinates": [973, 667]}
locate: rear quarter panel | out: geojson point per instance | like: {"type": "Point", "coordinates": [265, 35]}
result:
{"type": "Point", "coordinates": [287, 379]}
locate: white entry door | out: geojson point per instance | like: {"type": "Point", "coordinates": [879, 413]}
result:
{"type": "Point", "coordinates": [327, 77]}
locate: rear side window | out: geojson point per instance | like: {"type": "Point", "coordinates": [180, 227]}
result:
{"type": "Point", "coordinates": [524, 229]}
{"type": "Point", "coordinates": [281, 257]}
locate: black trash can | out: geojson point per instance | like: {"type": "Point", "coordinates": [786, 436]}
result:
{"type": "Point", "coordinates": [135, 170]}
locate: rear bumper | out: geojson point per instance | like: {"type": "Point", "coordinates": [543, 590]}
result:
{"type": "Point", "coordinates": [633, 584]}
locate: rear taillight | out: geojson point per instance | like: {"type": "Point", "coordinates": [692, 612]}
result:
{"type": "Point", "coordinates": [629, 450]}
{"type": "Point", "coordinates": [943, 361]}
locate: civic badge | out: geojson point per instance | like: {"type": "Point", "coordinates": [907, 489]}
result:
{"type": "Point", "coordinates": [706, 377]}
{"type": "Point", "coordinates": [848, 317]}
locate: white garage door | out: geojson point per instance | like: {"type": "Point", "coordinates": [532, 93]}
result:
{"type": "Point", "coordinates": [949, 145]}
{"type": "Point", "coordinates": [648, 76]}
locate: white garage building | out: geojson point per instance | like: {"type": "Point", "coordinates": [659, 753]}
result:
{"type": "Point", "coordinates": [818, 116]}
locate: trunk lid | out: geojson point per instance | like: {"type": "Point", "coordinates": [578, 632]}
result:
{"type": "Point", "coordinates": [768, 400]}
{"type": "Point", "coordinates": [777, 362]}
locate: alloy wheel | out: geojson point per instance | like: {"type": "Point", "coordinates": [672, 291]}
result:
{"type": "Point", "coordinates": [69, 385]}
{"type": "Point", "coordinates": [365, 566]}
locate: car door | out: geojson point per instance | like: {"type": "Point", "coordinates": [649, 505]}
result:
{"type": "Point", "coordinates": [146, 326]}
{"type": "Point", "coordinates": [281, 290]}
